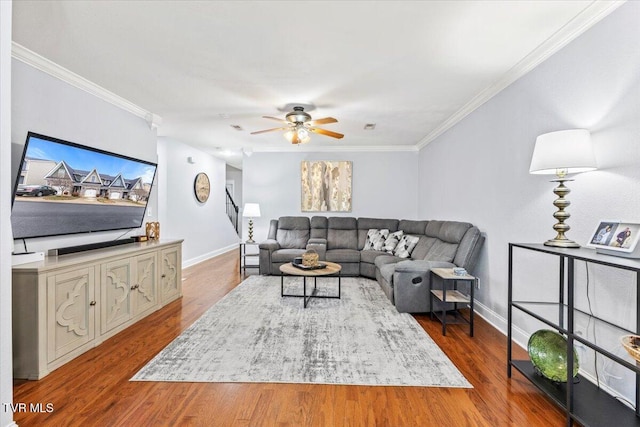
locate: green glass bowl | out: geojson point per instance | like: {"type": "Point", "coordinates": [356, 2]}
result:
{"type": "Point", "coordinates": [548, 353]}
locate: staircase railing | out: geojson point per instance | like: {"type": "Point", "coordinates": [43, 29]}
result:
{"type": "Point", "coordinates": [232, 210]}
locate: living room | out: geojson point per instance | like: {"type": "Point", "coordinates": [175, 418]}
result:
{"type": "Point", "coordinates": [476, 171]}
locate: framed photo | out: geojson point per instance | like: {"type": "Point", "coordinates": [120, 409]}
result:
{"type": "Point", "coordinates": [616, 236]}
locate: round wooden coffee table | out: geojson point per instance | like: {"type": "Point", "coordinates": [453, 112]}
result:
{"type": "Point", "coordinates": [291, 270]}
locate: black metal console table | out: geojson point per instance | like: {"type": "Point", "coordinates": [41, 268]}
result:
{"type": "Point", "coordinates": [582, 401]}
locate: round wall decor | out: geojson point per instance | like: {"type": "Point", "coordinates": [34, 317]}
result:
{"type": "Point", "coordinates": [202, 187]}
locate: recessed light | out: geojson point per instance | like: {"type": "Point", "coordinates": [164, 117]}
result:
{"type": "Point", "coordinates": [236, 127]}
{"type": "Point", "coordinates": [370, 126]}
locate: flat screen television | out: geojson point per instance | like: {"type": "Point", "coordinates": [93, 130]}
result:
{"type": "Point", "coordinates": [67, 188]}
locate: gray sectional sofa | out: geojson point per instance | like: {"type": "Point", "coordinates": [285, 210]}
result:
{"type": "Point", "coordinates": [405, 281]}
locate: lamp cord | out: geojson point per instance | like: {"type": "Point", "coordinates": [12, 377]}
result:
{"type": "Point", "coordinates": [595, 341]}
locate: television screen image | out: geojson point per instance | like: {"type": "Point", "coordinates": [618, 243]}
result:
{"type": "Point", "coordinates": [67, 188]}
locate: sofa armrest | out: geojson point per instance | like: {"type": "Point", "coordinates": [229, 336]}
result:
{"type": "Point", "coordinates": [411, 282]}
{"type": "Point", "coordinates": [421, 266]}
{"type": "Point", "coordinates": [266, 249]}
{"type": "Point", "coordinates": [270, 245]}
{"type": "Point", "coordinates": [319, 245]}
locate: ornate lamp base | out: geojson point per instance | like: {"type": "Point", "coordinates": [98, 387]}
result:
{"type": "Point", "coordinates": [561, 215]}
{"type": "Point", "coordinates": [250, 239]}
{"type": "Point", "coordinates": [562, 243]}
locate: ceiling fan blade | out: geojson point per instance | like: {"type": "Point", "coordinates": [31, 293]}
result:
{"type": "Point", "coordinates": [275, 118]}
{"type": "Point", "coordinates": [268, 130]}
{"type": "Point", "coordinates": [326, 132]}
{"type": "Point", "coordinates": [324, 121]}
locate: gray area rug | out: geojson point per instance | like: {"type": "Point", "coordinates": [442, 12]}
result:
{"type": "Point", "coordinates": [255, 335]}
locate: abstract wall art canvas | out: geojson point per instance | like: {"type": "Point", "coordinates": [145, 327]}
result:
{"type": "Point", "coordinates": [326, 186]}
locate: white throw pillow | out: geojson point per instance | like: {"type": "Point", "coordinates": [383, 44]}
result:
{"type": "Point", "coordinates": [392, 241]}
{"type": "Point", "coordinates": [405, 246]}
{"type": "Point", "coordinates": [375, 239]}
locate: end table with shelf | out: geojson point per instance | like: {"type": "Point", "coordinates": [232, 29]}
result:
{"type": "Point", "coordinates": [451, 296]}
{"type": "Point", "coordinates": [251, 255]}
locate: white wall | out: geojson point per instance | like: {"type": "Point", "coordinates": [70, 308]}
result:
{"type": "Point", "coordinates": [384, 185]}
{"type": "Point", "coordinates": [46, 105]}
{"type": "Point", "coordinates": [6, 239]}
{"type": "Point", "coordinates": [480, 169]}
{"type": "Point", "coordinates": [205, 227]}
{"type": "Point", "coordinates": [235, 175]}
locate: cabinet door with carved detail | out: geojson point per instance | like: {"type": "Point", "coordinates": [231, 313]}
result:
{"type": "Point", "coordinates": [115, 296]}
{"type": "Point", "coordinates": [70, 311]}
{"type": "Point", "coordinates": [146, 283]}
{"type": "Point", "coordinates": [170, 273]}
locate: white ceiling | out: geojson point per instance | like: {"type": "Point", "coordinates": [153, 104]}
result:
{"type": "Point", "coordinates": [412, 68]}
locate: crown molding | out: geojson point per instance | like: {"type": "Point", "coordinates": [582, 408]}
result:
{"type": "Point", "coordinates": [45, 65]}
{"type": "Point", "coordinates": [307, 148]}
{"type": "Point", "coordinates": [589, 16]}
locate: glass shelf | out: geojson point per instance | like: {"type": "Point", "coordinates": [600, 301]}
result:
{"type": "Point", "coordinates": [555, 315]}
{"type": "Point", "coordinates": [591, 406]}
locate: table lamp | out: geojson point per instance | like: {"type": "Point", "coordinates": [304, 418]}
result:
{"type": "Point", "coordinates": [251, 210]}
{"type": "Point", "coordinates": [562, 153]}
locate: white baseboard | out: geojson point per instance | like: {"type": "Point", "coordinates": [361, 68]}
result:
{"type": "Point", "coordinates": [520, 337]}
{"type": "Point", "coordinates": [208, 255]}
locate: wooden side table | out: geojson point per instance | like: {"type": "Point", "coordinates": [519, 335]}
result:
{"type": "Point", "coordinates": [331, 269]}
{"type": "Point", "coordinates": [451, 296]}
{"type": "Point", "coordinates": [251, 255]}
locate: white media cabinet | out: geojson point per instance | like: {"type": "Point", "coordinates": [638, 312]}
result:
{"type": "Point", "coordinates": [66, 305]}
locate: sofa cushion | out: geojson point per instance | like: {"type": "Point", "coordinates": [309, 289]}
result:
{"type": "Point", "coordinates": [446, 237]}
{"type": "Point", "coordinates": [343, 255]}
{"type": "Point", "coordinates": [365, 224]}
{"type": "Point", "coordinates": [405, 246]}
{"type": "Point", "coordinates": [467, 255]}
{"type": "Point", "coordinates": [293, 232]}
{"type": "Point", "coordinates": [319, 227]}
{"type": "Point", "coordinates": [375, 239]}
{"type": "Point", "coordinates": [423, 246]}
{"type": "Point", "coordinates": [370, 256]}
{"type": "Point", "coordinates": [286, 255]}
{"type": "Point", "coordinates": [382, 260]}
{"type": "Point", "coordinates": [442, 251]}
{"type": "Point", "coordinates": [412, 227]}
{"type": "Point", "coordinates": [447, 231]}
{"type": "Point", "coordinates": [392, 241]}
{"type": "Point", "coordinates": [342, 233]}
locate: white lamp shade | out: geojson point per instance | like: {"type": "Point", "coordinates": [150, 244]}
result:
{"type": "Point", "coordinates": [570, 150]}
{"type": "Point", "coordinates": [251, 210]}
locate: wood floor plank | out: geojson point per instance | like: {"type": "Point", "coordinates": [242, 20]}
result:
{"type": "Point", "coordinates": [94, 389]}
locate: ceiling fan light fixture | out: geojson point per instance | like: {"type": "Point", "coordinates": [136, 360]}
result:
{"type": "Point", "coordinates": [302, 134]}
{"type": "Point", "coordinates": [298, 126]}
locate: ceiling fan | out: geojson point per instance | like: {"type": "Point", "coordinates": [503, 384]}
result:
{"type": "Point", "coordinates": [298, 125]}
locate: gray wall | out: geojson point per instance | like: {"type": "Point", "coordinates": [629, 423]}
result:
{"type": "Point", "coordinates": [593, 83]}
{"type": "Point", "coordinates": [47, 105]}
{"type": "Point", "coordinates": [384, 185]}
{"type": "Point", "coordinates": [205, 228]}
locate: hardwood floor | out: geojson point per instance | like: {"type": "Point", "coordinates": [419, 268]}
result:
{"type": "Point", "coordinates": [94, 389]}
